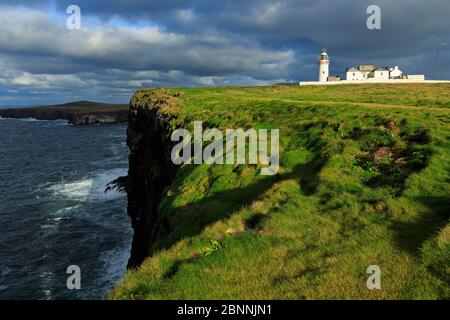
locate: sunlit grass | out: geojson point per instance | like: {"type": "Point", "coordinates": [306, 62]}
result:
{"type": "Point", "coordinates": [311, 231]}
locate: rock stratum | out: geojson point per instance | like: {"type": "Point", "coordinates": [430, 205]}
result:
{"type": "Point", "coordinates": [76, 113]}
{"type": "Point", "coordinates": [150, 167]}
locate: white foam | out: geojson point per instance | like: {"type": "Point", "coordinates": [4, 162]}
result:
{"type": "Point", "coordinates": [56, 121]}
{"type": "Point", "coordinates": [50, 228]}
{"type": "Point", "coordinates": [91, 188]}
{"type": "Point", "coordinates": [47, 279]}
{"type": "Point", "coordinates": [29, 119]}
{"type": "Point", "coordinates": [60, 214]}
{"type": "Point", "coordinates": [5, 271]}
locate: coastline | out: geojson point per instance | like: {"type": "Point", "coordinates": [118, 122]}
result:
{"type": "Point", "coordinates": [76, 113]}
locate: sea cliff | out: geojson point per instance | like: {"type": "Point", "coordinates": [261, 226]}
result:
{"type": "Point", "coordinates": [363, 181]}
{"type": "Point", "coordinates": [150, 167]}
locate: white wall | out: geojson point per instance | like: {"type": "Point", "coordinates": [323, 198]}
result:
{"type": "Point", "coordinates": [355, 75]}
{"type": "Point", "coordinates": [395, 73]}
{"type": "Point", "coordinates": [381, 74]}
{"type": "Point", "coordinates": [371, 81]}
{"type": "Point", "coordinates": [416, 77]}
{"type": "Point", "coordinates": [324, 72]}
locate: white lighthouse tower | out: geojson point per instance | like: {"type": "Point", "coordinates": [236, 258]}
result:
{"type": "Point", "coordinates": [324, 66]}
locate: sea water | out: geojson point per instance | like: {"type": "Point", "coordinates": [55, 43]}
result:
{"type": "Point", "coordinates": [54, 212]}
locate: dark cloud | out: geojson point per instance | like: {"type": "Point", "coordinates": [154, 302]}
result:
{"type": "Point", "coordinates": [124, 45]}
{"type": "Point", "coordinates": [129, 9]}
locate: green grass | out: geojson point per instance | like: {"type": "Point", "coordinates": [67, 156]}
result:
{"type": "Point", "coordinates": [337, 205]}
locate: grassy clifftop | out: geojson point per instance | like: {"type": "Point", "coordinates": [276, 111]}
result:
{"type": "Point", "coordinates": [364, 180]}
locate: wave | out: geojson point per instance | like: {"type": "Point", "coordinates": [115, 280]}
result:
{"type": "Point", "coordinates": [115, 264]}
{"type": "Point", "coordinates": [60, 214]}
{"type": "Point", "coordinates": [58, 121]}
{"type": "Point", "coordinates": [116, 158]}
{"type": "Point", "coordinates": [47, 280]}
{"type": "Point", "coordinates": [6, 271]}
{"type": "Point", "coordinates": [91, 188]}
{"type": "Point", "coordinates": [28, 119]}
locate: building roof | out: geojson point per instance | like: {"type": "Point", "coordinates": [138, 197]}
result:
{"type": "Point", "coordinates": [366, 67]}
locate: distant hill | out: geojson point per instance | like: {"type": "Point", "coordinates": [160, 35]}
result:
{"type": "Point", "coordinates": [77, 112]}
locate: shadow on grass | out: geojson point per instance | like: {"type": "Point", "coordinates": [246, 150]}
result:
{"type": "Point", "coordinates": [176, 266]}
{"type": "Point", "coordinates": [191, 219]}
{"type": "Point", "coordinates": [197, 215]}
{"type": "Point", "coordinates": [410, 235]}
{"type": "Point", "coordinates": [308, 174]}
{"type": "Point", "coordinates": [254, 221]}
{"type": "Point", "coordinates": [300, 274]}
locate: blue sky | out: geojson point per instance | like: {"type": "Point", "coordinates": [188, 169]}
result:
{"type": "Point", "coordinates": [126, 45]}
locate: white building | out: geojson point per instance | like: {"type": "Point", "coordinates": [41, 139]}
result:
{"type": "Point", "coordinates": [355, 74]}
{"type": "Point", "coordinates": [380, 73]}
{"type": "Point", "coordinates": [395, 73]}
{"type": "Point", "coordinates": [367, 71]}
{"type": "Point", "coordinates": [372, 73]}
{"type": "Point", "coordinates": [364, 73]}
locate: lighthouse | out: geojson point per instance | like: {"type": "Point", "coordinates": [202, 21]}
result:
{"type": "Point", "coordinates": [324, 66]}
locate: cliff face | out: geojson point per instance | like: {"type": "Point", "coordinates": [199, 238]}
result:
{"type": "Point", "coordinates": [150, 167]}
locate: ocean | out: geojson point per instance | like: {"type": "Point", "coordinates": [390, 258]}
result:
{"type": "Point", "coordinates": [54, 212]}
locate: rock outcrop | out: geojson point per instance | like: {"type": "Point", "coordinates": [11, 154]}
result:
{"type": "Point", "coordinates": [98, 118]}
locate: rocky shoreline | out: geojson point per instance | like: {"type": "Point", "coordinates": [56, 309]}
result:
{"type": "Point", "coordinates": [76, 113]}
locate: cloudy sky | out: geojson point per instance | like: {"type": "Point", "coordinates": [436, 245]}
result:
{"type": "Point", "coordinates": [126, 45]}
